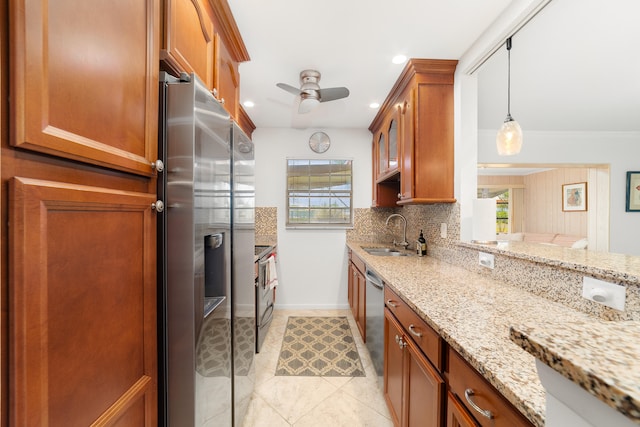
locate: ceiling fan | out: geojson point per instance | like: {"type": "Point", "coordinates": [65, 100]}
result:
{"type": "Point", "coordinates": [310, 93]}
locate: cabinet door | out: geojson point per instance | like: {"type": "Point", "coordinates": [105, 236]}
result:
{"type": "Point", "coordinates": [189, 40]}
{"type": "Point", "coordinates": [382, 154]}
{"type": "Point", "coordinates": [392, 133]}
{"type": "Point", "coordinates": [425, 390]}
{"type": "Point", "coordinates": [350, 286]}
{"type": "Point", "coordinates": [457, 416]}
{"type": "Point", "coordinates": [84, 81]}
{"type": "Point", "coordinates": [406, 142]}
{"type": "Point", "coordinates": [393, 367]}
{"type": "Point", "coordinates": [227, 79]}
{"type": "Point", "coordinates": [83, 305]}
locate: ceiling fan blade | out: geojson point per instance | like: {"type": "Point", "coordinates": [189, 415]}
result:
{"type": "Point", "coordinates": [289, 88]}
{"type": "Point", "coordinates": [333, 93]}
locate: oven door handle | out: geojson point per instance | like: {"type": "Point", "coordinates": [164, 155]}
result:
{"type": "Point", "coordinates": [268, 313]}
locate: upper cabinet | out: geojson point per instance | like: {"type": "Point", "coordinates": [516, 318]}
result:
{"type": "Point", "coordinates": [188, 43]}
{"type": "Point", "coordinates": [201, 37]}
{"type": "Point", "coordinates": [84, 82]}
{"type": "Point", "coordinates": [418, 114]}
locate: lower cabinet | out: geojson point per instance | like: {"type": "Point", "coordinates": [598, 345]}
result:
{"type": "Point", "coordinates": [356, 292]}
{"type": "Point", "coordinates": [413, 389]}
{"type": "Point", "coordinates": [478, 399]}
{"type": "Point", "coordinates": [421, 371]}
{"type": "Point", "coordinates": [457, 416]}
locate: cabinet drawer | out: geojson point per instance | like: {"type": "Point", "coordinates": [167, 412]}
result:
{"type": "Point", "coordinates": [462, 377]}
{"type": "Point", "coordinates": [360, 265]}
{"type": "Point", "coordinates": [422, 334]}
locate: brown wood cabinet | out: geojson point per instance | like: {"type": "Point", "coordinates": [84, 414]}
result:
{"type": "Point", "coordinates": [413, 388]}
{"type": "Point", "coordinates": [416, 360]}
{"type": "Point", "coordinates": [78, 258]}
{"type": "Point", "coordinates": [356, 292]}
{"type": "Point", "coordinates": [471, 389]}
{"type": "Point", "coordinates": [422, 101]}
{"type": "Point", "coordinates": [87, 91]}
{"type": "Point", "coordinates": [201, 37]}
{"type": "Point", "coordinates": [457, 416]}
{"type": "Point", "coordinates": [188, 42]}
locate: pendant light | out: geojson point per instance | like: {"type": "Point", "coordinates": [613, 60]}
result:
{"type": "Point", "coordinates": [509, 139]}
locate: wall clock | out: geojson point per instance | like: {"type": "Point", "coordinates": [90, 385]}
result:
{"type": "Point", "coordinates": [319, 142]}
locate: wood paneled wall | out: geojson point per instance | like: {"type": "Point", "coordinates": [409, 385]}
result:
{"type": "Point", "coordinates": [542, 205]}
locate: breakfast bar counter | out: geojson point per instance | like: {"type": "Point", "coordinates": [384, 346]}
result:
{"type": "Point", "coordinates": [473, 314]}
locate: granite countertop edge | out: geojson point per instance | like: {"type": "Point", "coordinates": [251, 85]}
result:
{"type": "Point", "coordinates": [575, 352]}
{"type": "Point", "coordinates": [617, 267]}
{"type": "Point", "coordinates": [473, 314]}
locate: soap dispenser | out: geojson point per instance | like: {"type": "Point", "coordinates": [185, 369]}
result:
{"type": "Point", "coordinates": [421, 247]}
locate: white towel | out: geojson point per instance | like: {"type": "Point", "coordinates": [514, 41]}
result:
{"type": "Point", "coordinates": [272, 274]}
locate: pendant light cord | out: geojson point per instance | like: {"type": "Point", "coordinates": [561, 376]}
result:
{"type": "Point", "coordinates": [509, 77]}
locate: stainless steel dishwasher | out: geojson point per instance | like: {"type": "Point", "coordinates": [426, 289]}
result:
{"type": "Point", "coordinates": [375, 319]}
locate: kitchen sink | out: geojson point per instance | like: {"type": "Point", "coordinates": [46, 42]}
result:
{"type": "Point", "coordinates": [378, 251]}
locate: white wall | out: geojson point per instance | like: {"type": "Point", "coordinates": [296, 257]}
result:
{"type": "Point", "coordinates": [312, 263]}
{"type": "Point", "coordinates": [620, 150]}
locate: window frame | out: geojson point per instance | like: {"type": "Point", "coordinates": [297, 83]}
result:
{"type": "Point", "coordinates": [318, 225]}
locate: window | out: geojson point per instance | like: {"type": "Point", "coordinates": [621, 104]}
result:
{"type": "Point", "coordinates": [502, 212]}
{"type": "Point", "coordinates": [319, 193]}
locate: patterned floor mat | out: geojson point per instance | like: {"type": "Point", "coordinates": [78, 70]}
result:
{"type": "Point", "coordinates": [319, 346]}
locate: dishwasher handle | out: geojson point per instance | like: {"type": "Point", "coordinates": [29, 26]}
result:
{"type": "Point", "coordinates": [374, 279]}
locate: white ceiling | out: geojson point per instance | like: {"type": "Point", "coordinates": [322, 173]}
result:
{"type": "Point", "coordinates": [575, 66]}
{"type": "Point", "coordinates": [351, 42]}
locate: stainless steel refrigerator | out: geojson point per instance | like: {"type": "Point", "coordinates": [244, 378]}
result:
{"type": "Point", "coordinates": [206, 236]}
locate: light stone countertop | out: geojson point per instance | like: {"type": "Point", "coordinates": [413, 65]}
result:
{"type": "Point", "coordinates": [617, 267]}
{"type": "Point", "coordinates": [601, 357]}
{"type": "Point", "coordinates": [473, 314]}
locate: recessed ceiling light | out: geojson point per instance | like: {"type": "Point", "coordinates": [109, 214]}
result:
{"type": "Point", "coordinates": [374, 105]}
{"type": "Point", "coordinates": [399, 59]}
{"type": "Point", "coordinates": [248, 104]}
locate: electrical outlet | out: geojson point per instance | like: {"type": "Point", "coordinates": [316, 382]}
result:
{"type": "Point", "coordinates": [605, 293]}
{"type": "Point", "coordinates": [443, 230]}
{"type": "Point", "coordinates": [486, 260]}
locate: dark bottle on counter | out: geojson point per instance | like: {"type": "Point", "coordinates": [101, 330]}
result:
{"type": "Point", "coordinates": [421, 248]}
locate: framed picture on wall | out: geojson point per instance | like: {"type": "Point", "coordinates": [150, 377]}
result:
{"type": "Point", "coordinates": [574, 197]}
{"type": "Point", "coordinates": [633, 191]}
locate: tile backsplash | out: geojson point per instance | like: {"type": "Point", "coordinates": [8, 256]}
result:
{"type": "Point", "coordinates": [556, 283]}
{"type": "Point", "coordinates": [266, 223]}
{"type": "Point", "coordinates": [369, 225]}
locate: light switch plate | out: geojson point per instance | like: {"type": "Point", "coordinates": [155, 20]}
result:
{"type": "Point", "coordinates": [486, 260]}
{"type": "Point", "coordinates": [605, 293]}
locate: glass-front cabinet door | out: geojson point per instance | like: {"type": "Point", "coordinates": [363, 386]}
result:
{"type": "Point", "coordinates": [383, 157]}
{"type": "Point", "coordinates": [393, 145]}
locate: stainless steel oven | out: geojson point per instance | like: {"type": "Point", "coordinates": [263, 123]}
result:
{"type": "Point", "coordinates": [264, 293]}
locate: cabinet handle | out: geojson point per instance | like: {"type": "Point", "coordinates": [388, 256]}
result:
{"type": "Point", "coordinates": [399, 196]}
{"type": "Point", "coordinates": [158, 206]}
{"type": "Point", "coordinates": [400, 343]}
{"type": "Point", "coordinates": [412, 329]}
{"type": "Point", "coordinates": [390, 303]}
{"type": "Point", "coordinates": [484, 412]}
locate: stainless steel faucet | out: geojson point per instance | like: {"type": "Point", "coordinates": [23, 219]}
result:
{"type": "Point", "coordinates": [404, 231]}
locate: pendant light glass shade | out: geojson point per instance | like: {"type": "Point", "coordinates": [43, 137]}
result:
{"type": "Point", "coordinates": [509, 138]}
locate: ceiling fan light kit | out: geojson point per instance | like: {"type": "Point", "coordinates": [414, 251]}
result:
{"type": "Point", "coordinates": [310, 93]}
{"type": "Point", "coordinates": [509, 138]}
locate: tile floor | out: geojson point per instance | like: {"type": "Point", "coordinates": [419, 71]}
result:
{"type": "Point", "coordinates": [313, 401]}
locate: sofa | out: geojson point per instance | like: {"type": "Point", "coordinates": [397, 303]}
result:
{"type": "Point", "coordinates": [556, 239]}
